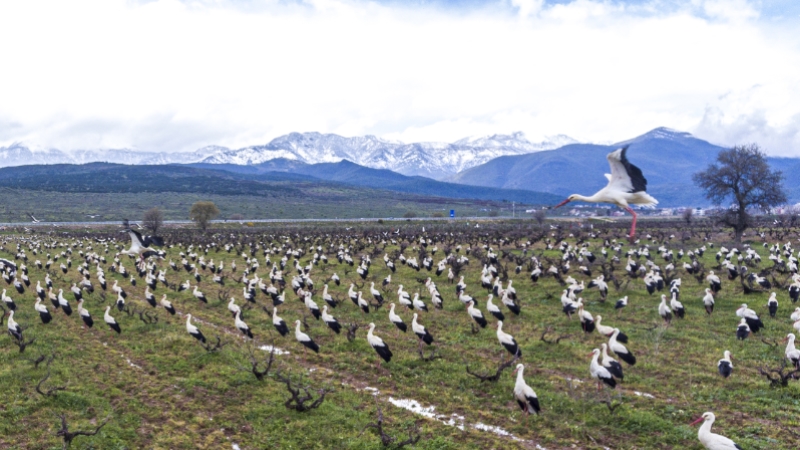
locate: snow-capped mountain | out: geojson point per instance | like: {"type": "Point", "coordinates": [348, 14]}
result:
{"type": "Point", "coordinates": [429, 159]}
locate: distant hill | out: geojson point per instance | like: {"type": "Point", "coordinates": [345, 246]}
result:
{"type": "Point", "coordinates": [349, 173]}
{"type": "Point", "coordinates": [667, 158]}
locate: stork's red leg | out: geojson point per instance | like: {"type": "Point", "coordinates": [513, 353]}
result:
{"type": "Point", "coordinates": [633, 225]}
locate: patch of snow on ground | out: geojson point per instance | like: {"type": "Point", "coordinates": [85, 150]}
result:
{"type": "Point", "coordinates": [278, 351]}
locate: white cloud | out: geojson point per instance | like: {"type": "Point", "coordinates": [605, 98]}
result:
{"type": "Point", "coordinates": [171, 75]}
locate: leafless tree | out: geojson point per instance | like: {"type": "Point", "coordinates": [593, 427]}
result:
{"type": "Point", "coordinates": [688, 215]}
{"type": "Point", "coordinates": [70, 435]}
{"type": "Point", "coordinates": [298, 401]}
{"type": "Point", "coordinates": [539, 216]}
{"type": "Point", "coordinates": [153, 220]}
{"type": "Point", "coordinates": [743, 177]}
{"type": "Point", "coordinates": [386, 440]}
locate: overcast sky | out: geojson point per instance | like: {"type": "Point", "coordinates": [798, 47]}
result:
{"type": "Point", "coordinates": [170, 75]}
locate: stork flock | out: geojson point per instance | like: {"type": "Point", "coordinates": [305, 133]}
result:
{"type": "Point", "coordinates": [387, 309]}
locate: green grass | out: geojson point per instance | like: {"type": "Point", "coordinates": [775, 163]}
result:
{"type": "Point", "coordinates": [180, 396]}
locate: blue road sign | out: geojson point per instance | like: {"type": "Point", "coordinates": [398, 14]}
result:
{"type": "Point", "coordinates": [452, 213]}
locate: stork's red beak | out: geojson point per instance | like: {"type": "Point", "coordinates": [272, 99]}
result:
{"type": "Point", "coordinates": [697, 421]}
{"type": "Point", "coordinates": [561, 204]}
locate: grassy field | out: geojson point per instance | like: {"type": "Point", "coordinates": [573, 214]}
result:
{"type": "Point", "coordinates": [308, 201]}
{"type": "Point", "coordinates": [159, 388]}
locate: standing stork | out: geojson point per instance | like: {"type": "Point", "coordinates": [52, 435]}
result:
{"type": "Point", "coordinates": [742, 330]}
{"type": "Point", "coordinates": [792, 353]}
{"type": "Point", "coordinates": [523, 393]}
{"type": "Point", "coordinates": [13, 326]}
{"type": "Point", "coordinates": [41, 308]}
{"type": "Point", "coordinates": [421, 332]}
{"type": "Point", "coordinates": [600, 373]}
{"type": "Point", "coordinates": [621, 351]}
{"type": "Point", "coordinates": [724, 365]}
{"type": "Point", "coordinates": [772, 305]}
{"type": "Point", "coordinates": [278, 323]}
{"type": "Point", "coordinates": [167, 304]}
{"type": "Point", "coordinates": [377, 343]}
{"type": "Point", "coordinates": [304, 338]}
{"type": "Point", "coordinates": [110, 321]}
{"type": "Point", "coordinates": [476, 314]}
{"type": "Point", "coordinates": [331, 321]}
{"type": "Point", "coordinates": [753, 321]}
{"type": "Point", "coordinates": [626, 186]}
{"type": "Point", "coordinates": [85, 316]}
{"type": "Point", "coordinates": [710, 440]}
{"type": "Point", "coordinates": [241, 326]}
{"type": "Point", "coordinates": [396, 320]}
{"type": "Point", "coordinates": [708, 301]}
{"type": "Point", "coordinates": [193, 330]}
{"type": "Point", "coordinates": [507, 340]}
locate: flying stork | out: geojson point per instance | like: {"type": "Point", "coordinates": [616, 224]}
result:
{"type": "Point", "coordinates": [140, 245]}
{"type": "Point", "coordinates": [626, 186]}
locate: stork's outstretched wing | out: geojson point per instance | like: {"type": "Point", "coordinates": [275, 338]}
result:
{"type": "Point", "coordinates": [625, 176]}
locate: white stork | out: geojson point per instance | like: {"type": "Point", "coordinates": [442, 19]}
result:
{"type": "Point", "coordinates": [600, 373]}
{"type": "Point", "coordinates": [724, 365]}
{"type": "Point", "coordinates": [476, 314]}
{"type": "Point", "coordinates": [85, 316]}
{"type": "Point", "coordinates": [396, 320]}
{"type": "Point", "coordinates": [239, 323]}
{"type": "Point", "coordinates": [233, 307]}
{"type": "Point", "coordinates": [41, 308]}
{"type": "Point", "coordinates": [13, 326]}
{"type": "Point", "coordinates": [110, 321]}
{"type": "Point", "coordinates": [607, 331]}
{"type": "Point", "coordinates": [772, 304]}
{"type": "Point", "coordinates": [708, 301]}
{"type": "Point", "coordinates": [710, 440]}
{"type": "Point", "coordinates": [677, 307]}
{"type": "Point", "coordinates": [626, 186]}
{"type": "Point", "coordinates": [304, 338]}
{"type": "Point", "coordinates": [792, 353]}
{"type": "Point", "coordinates": [278, 323]}
{"type": "Point", "coordinates": [494, 310]}
{"type": "Point", "coordinates": [193, 330]}
{"type": "Point", "coordinates": [331, 321]}
{"type": "Point", "coordinates": [611, 364]}
{"type": "Point", "coordinates": [311, 305]}
{"type": "Point", "coordinates": [167, 304]}
{"type": "Point", "coordinates": [742, 330]}
{"type": "Point", "coordinates": [421, 332]}
{"type": "Point", "coordinates": [376, 294]}
{"type": "Point", "coordinates": [523, 393]}
{"type": "Point", "coordinates": [751, 317]}
{"type": "Point", "coordinates": [377, 343]}
{"type": "Point", "coordinates": [620, 350]}
{"type": "Point", "coordinates": [140, 245]}
{"type": "Point", "coordinates": [507, 341]}
{"type": "Point", "coordinates": [199, 295]}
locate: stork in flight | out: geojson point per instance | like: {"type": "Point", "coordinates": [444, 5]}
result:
{"type": "Point", "coordinates": [140, 245]}
{"type": "Point", "coordinates": [626, 186]}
